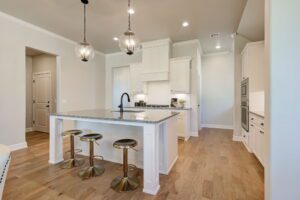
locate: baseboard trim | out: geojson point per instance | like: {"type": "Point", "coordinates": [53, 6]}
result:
{"type": "Point", "coordinates": [194, 134]}
{"type": "Point", "coordinates": [19, 146]}
{"type": "Point", "coordinates": [29, 129]}
{"type": "Point", "coordinates": [217, 126]}
{"type": "Point", "coordinates": [237, 138]}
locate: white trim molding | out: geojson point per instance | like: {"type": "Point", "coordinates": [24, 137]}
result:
{"type": "Point", "coordinates": [195, 41]}
{"type": "Point", "coordinates": [18, 146]}
{"type": "Point", "coordinates": [237, 138]}
{"type": "Point", "coordinates": [218, 126]}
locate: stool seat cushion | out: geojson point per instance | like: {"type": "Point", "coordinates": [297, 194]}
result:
{"type": "Point", "coordinates": [125, 143]}
{"type": "Point", "coordinates": [72, 132]}
{"type": "Point", "coordinates": [91, 137]}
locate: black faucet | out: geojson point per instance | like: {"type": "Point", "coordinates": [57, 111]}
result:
{"type": "Point", "coordinates": [121, 105]}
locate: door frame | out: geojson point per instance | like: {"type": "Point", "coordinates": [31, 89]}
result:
{"type": "Point", "coordinates": [33, 91]}
{"type": "Point", "coordinates": [57, 77]}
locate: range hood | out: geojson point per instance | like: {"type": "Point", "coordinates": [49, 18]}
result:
{"type": "Point", "coordinates": [156, 60]}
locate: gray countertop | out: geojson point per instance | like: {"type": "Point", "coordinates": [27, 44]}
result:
{"type": "Point", "coordinates": [158, 108]}
{"type": "Point", "coordinates": [147, 116]}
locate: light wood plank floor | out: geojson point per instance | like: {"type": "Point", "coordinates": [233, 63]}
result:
{"type": "Point", "coordinates": [209, 167]}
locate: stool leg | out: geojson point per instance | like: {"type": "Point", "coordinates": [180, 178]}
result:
{"type": "Point", "coordinates": [91, 154]}
{"type": "Point", "coordinates": [72, 147]}
{"type": "Point", "coordinates": [92, 170]}
{"type": "Point", "coordinates": [72, 162]}
{"type": "Point", "coordinates": [125, 162]}
{"type": "Point", "coordinates": [125, 183]}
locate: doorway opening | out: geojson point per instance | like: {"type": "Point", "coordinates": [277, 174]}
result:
{"type": "Point", "coordinates": [41, 90]}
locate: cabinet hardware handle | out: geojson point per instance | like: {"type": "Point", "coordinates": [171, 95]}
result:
{"type": "Point", "coordinates": [261, 132]}
{"type": "Point", "coordinates": [251, 125]}
{"type": "Point", "coordinates": [262, 124]}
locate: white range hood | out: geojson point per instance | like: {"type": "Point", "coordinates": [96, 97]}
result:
{"type": "Point", "coordinates": [156, 60]}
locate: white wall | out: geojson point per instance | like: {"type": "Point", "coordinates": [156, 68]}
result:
{"type": "Point", "coordinates": [238, 46]}
{"type": "Point", "coordinates": [29, 109]}
{"type": "Point", "coordinates": [218, 90]}
{"type": "Point", "coordinates": [282, 99]}
{"type": "Point", "coordinates": [78, 89]}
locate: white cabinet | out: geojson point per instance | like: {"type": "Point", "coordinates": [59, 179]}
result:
{"type": "Point", "coordinates": [180, 73]}
{"type": "Point", "coordinates": [253, 65]}
{"type": "Point", "coordinates": [257, 137]}
{"type": "Point", "coordinates": [156, 56]}
{"type": "Point", "coordinates": [183, 124]}
{"type": "Point", "coordinates": [137, 86]}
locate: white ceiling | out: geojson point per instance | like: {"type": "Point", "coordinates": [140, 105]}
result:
{"type": "Point", "coordinates": [154, 19]}
{"type": "Point", "coordinates": [252, 21]}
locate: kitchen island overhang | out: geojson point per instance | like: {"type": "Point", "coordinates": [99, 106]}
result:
{"type": "Point", "coordinates": [154, 130]}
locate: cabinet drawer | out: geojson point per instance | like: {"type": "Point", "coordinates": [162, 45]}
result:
{"type": "Point", "coordinates": [259, 121]}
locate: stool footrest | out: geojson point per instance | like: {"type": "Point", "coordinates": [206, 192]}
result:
{"type": "Point", "coordinates": [99, 157]}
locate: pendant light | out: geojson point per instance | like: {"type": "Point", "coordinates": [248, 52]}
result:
{"type": "Point", "coordinates": [83, 49]}
{"type": "Point", "coordinates": [128, 42]}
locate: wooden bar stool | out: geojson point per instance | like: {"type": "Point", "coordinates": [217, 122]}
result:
{"type": "Point", "coordinates": [92, 170]}
{"type": "Point", "coordinates": [72, 162]}
{"type": "Point", "coordinates": [125, 182]}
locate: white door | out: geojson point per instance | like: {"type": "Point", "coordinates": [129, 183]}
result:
{"type": "Point", "coordinates": [121, 82]}
{"type": "Point", "coordinates": [41, 101]}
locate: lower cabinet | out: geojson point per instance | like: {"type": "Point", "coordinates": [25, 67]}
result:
{"type": "Point", "coordinates": [183, 124]}
{"type": "Point", "coordinates": [257, 137]}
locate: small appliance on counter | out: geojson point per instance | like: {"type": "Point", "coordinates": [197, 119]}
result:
{"type": "Point", "coordinates": [174, 102]}
{"type": "Point", "coordinates": [140, 104]}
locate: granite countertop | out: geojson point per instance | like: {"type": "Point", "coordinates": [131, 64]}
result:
{"type": "Point", "coordinates": [158, 108]}
{"type": "Point", "coordinates": [147, 116]}
{"type": "Point", "coordinates": [259, 113]}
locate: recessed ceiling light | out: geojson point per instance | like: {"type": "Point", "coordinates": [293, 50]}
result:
{"type": "Point", "coordinates": [185, 24]}
{"type": "Point", "coordinates": [218, 46]}
{"type": "Point", "coordinates": [116, 39]}
{"type": "Point", "coordinates": [131, 11]}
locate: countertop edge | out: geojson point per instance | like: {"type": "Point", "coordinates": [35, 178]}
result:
{"type": "Point", "coordinates": [110, 119]}
{"type": "Point", "coordinates": [257, 113]}
{"type": "Point", "coordinates": [160, 108]}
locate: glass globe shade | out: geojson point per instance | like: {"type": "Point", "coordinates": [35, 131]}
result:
{"type": "Point", "coordinates": [85, 51]}
{"type": "Point", "coordinates": [129, 43]}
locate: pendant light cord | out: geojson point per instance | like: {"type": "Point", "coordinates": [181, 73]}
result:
{"type": "Point", "coordinates": [84, 22]}
{"type": "Point", "coordinates": [129, 19]}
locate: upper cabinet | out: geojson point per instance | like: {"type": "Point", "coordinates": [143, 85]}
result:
{"type": "Point", "coordinates": [180, 73]}
{"type": "Point", "coordinates": [253, 65]}
{"type": "Point", "coordinates": [156, 56]}
{"type": "Point", "coordinates": [137, 86]}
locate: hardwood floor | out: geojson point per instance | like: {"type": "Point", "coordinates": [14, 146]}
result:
{"type": "Point", "coordinates": [209, 167]}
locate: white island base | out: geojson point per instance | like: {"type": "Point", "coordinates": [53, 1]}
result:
{"type": "Point", "coordinates": [157, 149]}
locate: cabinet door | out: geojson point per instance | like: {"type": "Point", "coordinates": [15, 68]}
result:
{"type": "Point", "coordinates": [180, 75]}
{"type": "Point", "coordinates": [136, 85]}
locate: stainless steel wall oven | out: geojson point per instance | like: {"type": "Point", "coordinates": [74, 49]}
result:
{"type": "Point", "coordinates": [245, 104]}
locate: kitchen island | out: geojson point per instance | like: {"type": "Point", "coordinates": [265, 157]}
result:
{"type": "Point", "coordinates": [155, 132]}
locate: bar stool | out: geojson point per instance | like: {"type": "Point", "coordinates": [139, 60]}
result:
{"type": "Point", "coordinates": [72, 162]}
{"type": "Point", "coordinates": [125, 182]}
{"type": "Point", "coordinates": [92, 170]}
